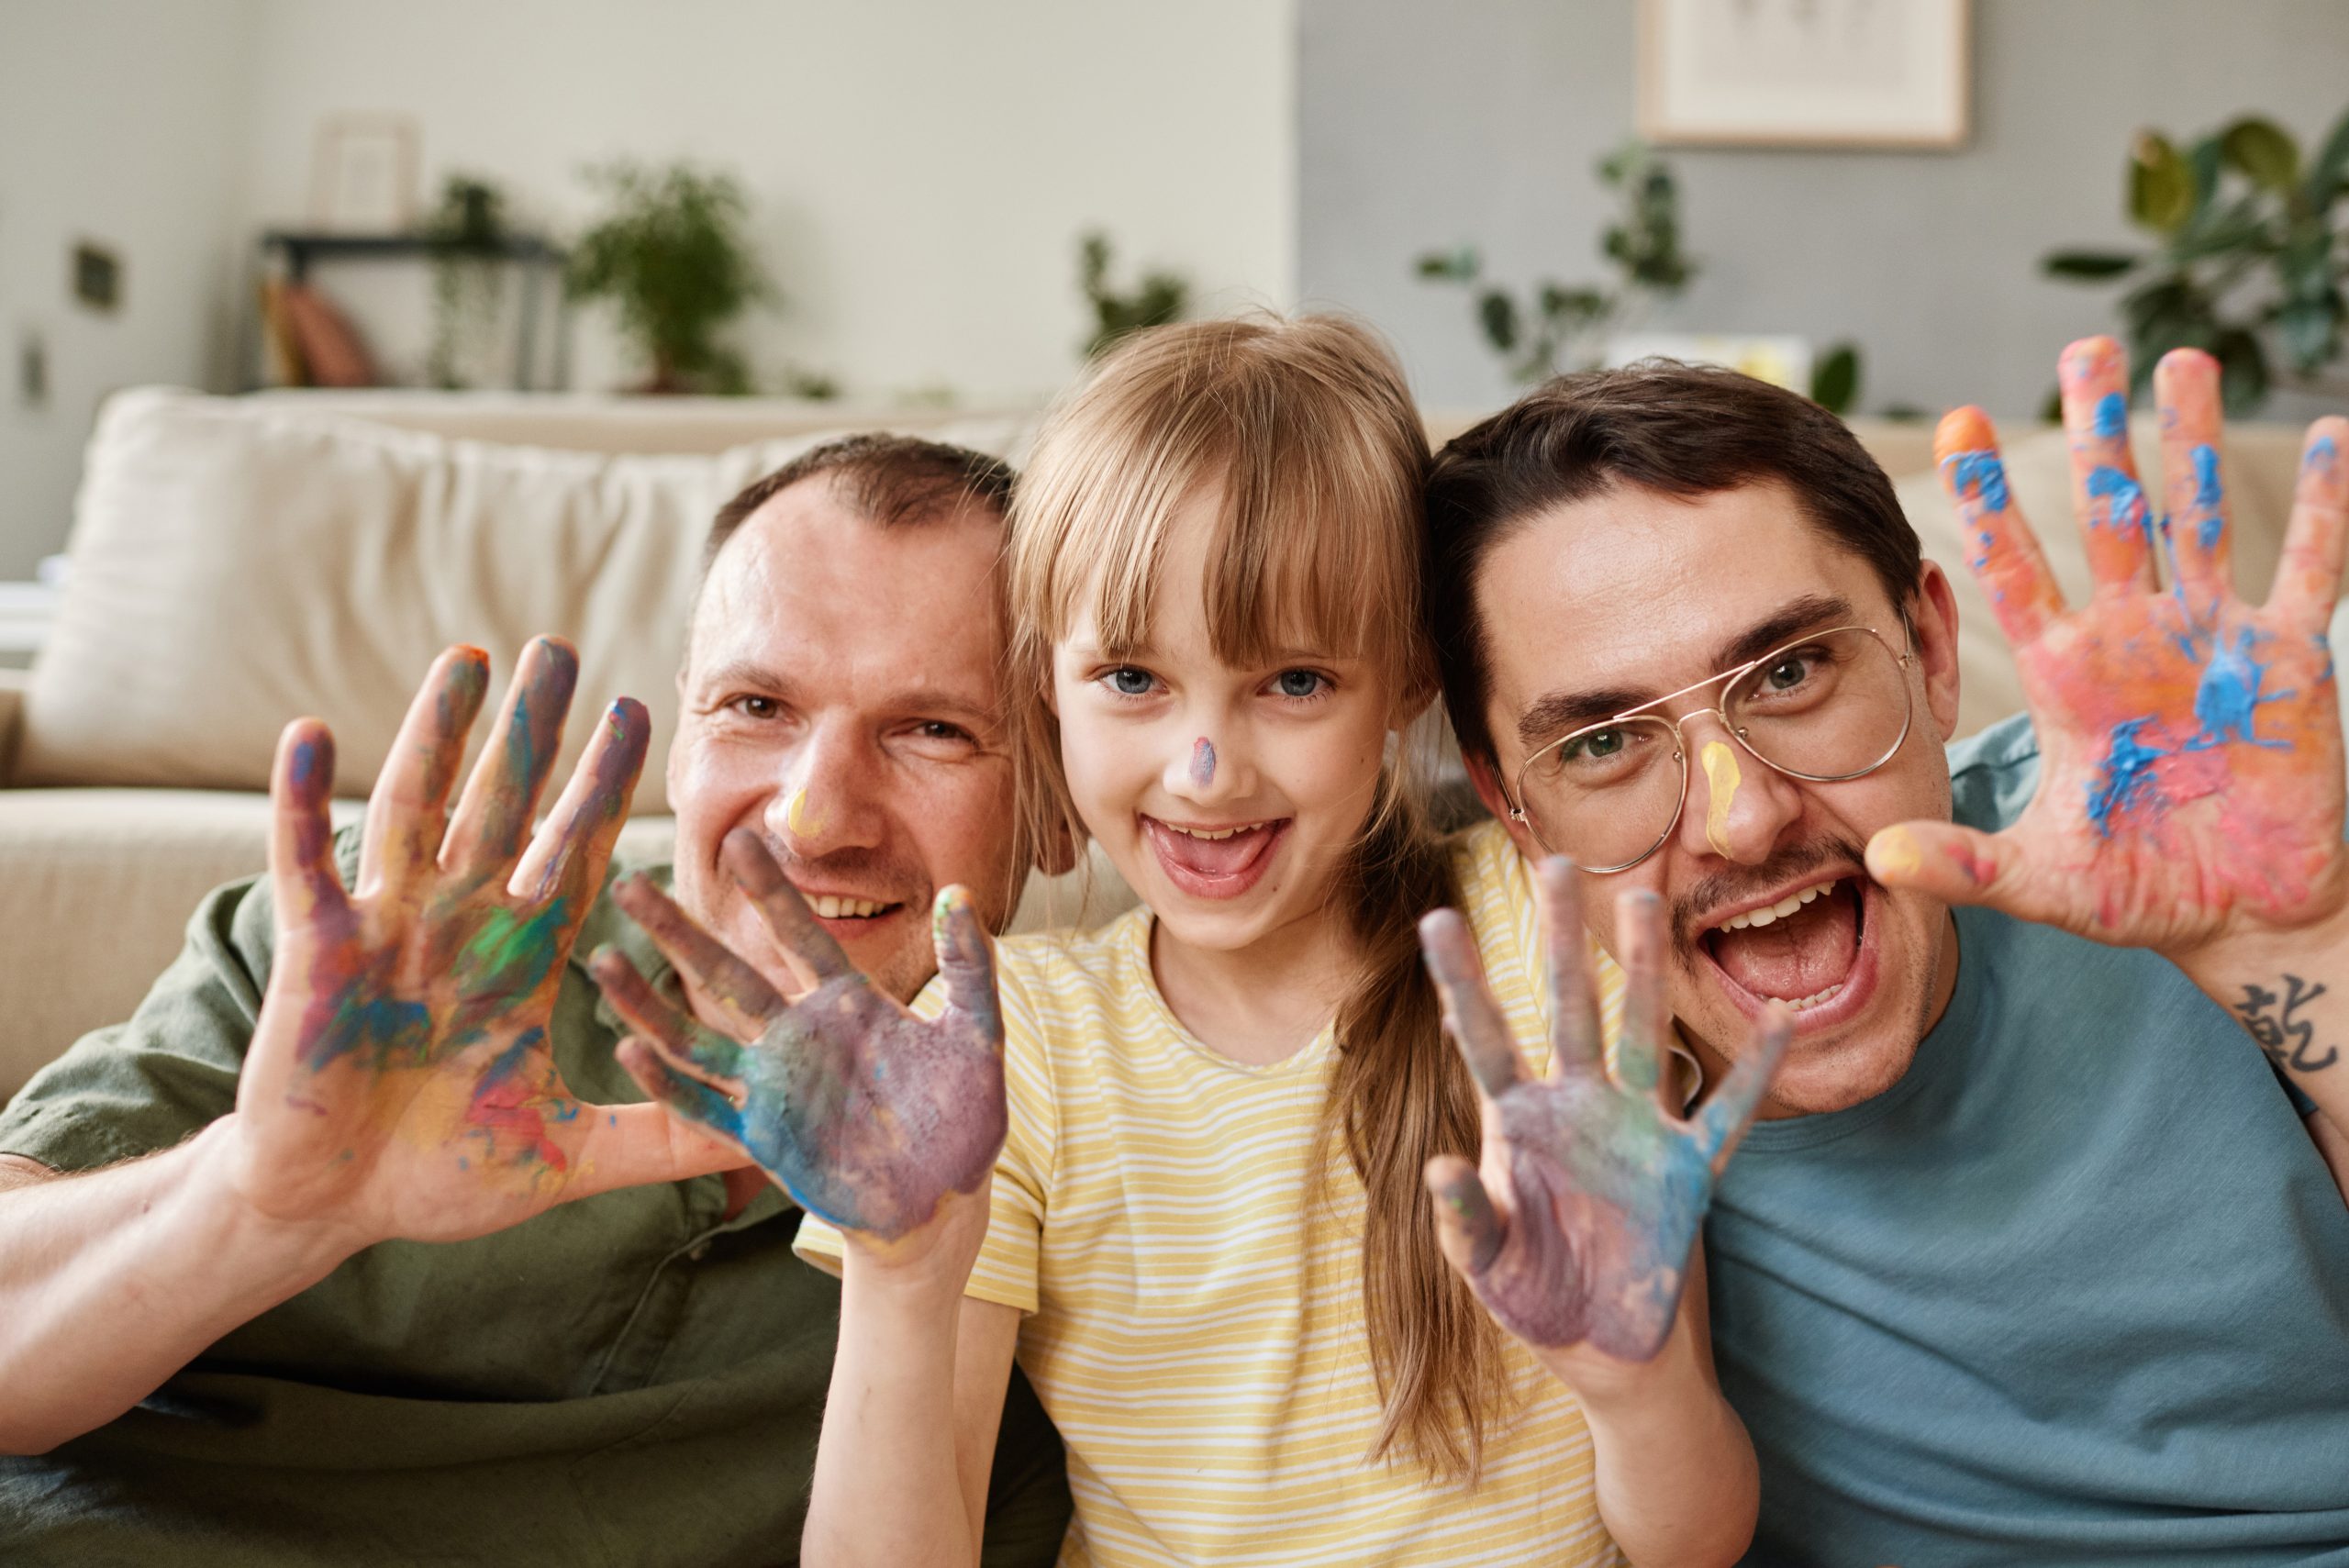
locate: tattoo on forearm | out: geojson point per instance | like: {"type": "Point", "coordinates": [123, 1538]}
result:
{"type": "Point", "coordinates": [2288, 1041]}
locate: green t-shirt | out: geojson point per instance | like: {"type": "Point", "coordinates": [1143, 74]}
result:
{"type": "Point", "coordinates": [631, 1379]}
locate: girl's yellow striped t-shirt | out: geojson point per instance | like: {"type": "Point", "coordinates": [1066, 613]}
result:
{"type": "Point", "coordinates": [1195, 1332]}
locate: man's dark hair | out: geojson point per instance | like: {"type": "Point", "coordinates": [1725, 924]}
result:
{"type": "Point", "coordinates": [1676, 429]}
{"type": "Point", "coordinates": [894, 481]}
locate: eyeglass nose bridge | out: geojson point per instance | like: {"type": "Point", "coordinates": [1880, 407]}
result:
{"type": "Point", "coordinates": [1722, 682]}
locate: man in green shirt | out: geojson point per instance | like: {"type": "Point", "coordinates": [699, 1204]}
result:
{"type": "Point", "coordinates": [356, 1245]}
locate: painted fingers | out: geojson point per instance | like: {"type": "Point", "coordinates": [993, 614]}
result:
{"type": "Point", "coordinates": [1574, 1042]}
{"type": "Point", "coordinates": [742, 995]}
{"type": "Point", "coordinates": [966, 963]}
{"type": "Point", "coordinates": [568, 854]}
{"type": "Point", "coordinates": [1999, 546]}
{"type": "Point", "coordinates": [407, 814]}
{"type": "Point", "coordinates": [301, 873]}
{"type": "Point", "coordinates": [1475, 1019]}
{"type": "Point", "coordinates": [493, 816]}
{"type": "Point", "coordinates": [1467, 1226]}
{"type": "Point", "coordinates": [781, 906]}
{"type": "Point", "coordinates": [2186, 385]}
{"type": "Point", "coordinates": [2115, 518]}
{"type": "Point", "coordinates": [1723, 1119]}
{"type": "Point", "coordinates": [2308, 577]}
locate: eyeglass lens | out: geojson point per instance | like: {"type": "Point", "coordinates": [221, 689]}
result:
{"type": "Point", "coordinates": [1831, 707]}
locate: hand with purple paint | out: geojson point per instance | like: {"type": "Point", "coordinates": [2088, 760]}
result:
{"type": "Point", "coordinates": [2190, 791]}
{"type": "Point", "coordinates": [870, 1117]}
{"type": "Point", "coordinates": [1577, 1231]}
{"type": "Point", "coordinates": [400, 1082]}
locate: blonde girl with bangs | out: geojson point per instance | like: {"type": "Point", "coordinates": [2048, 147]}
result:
{"type": "Point", "coordinates": [1209, 1237]}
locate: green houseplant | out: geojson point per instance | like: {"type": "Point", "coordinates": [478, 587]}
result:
{"type": "Point", "coordinates": [671, 253]}
{"type": "Point", "coordinates": [2249, 259]}
{"type": "Point", "coordinates": [1156, 299]}
{"type": "Point", "coordinates": [1562, 328]}
{"type": "Point", "coordinates": [468, 229]}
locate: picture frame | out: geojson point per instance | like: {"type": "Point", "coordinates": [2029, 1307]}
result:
{"type": "Point", "coordinates": [363, 174]}
{"type": "Point", "coordinates": [1894, 74]}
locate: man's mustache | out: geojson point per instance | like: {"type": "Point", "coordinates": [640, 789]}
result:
{"type": "Point", "coordinates": [1689, 910]}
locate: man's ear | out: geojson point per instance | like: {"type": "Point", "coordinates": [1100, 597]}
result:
{"type": "Point", "coordinates": [1484, 778]}
{"type": "Point", "coordinates": [1933, 612]}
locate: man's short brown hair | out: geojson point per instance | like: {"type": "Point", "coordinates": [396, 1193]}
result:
{"type": "Point", "coordinates": [892, 481]}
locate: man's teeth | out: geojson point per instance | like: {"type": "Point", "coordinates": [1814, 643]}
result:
{"type": "Point", "coordinates": [1211, 833]}
{"type": "Point", "coordinates": [1778, 911]}
{"type": "Point", "coordinates": [832, 908]}
{"type": "Point", "coordinates": [1818, 998]}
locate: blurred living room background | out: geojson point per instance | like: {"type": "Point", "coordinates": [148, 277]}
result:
{"type": "Point", "coordinates": [476, 309]}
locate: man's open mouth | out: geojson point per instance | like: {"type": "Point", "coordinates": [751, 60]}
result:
{"type": "Point", "coordinates": [1807, 947]}
{"type": "Point", "coordinates": [831, 907]}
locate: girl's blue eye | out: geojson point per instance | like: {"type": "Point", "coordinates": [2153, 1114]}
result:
{"type": "Point", "coordinates": [1297, 682]}
{"type": "Point", "coordinates": [1130, 682]}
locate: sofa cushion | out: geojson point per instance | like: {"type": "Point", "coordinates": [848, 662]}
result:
{"type": "Point", "coordinates": [237, 564]}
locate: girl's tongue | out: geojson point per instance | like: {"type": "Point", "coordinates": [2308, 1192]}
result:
{"type": "Point", "coordinates": [1211, 859]}
{"type": "Point", "coordinates": [1797, 955]}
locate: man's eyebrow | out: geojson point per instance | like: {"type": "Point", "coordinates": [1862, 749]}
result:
{"type": "Point", "coordinates": [1558, 714]}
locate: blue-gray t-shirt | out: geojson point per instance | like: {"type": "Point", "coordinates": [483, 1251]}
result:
{"type": "Point", "coordinates": [2074, 1290]}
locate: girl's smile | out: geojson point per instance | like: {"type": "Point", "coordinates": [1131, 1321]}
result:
{"type": "Point", "coordinates": [1209, 861]}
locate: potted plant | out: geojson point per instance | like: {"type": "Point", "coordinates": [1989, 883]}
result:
{"type": "Point", "coordinates": [2250, 257]}
{"type": "Point", "coordinates": [672, 254]}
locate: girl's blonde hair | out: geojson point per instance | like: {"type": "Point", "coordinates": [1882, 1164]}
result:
{"type": "Point", "coordinates": [1308, 432]}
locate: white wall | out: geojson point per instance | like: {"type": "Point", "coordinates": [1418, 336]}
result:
{"type": "Point", "coordinates": [918, 169]}
{"type": "Point", "coordinates": [119, 124]}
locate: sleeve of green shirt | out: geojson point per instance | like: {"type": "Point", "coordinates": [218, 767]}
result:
{"type": "Point", "coordinates": [135, 1088]}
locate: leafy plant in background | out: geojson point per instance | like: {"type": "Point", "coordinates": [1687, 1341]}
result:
{"type": "Point", "coordinates": [1160, 297]}
{"type": "Point", "coordinates": [673, 255]}
{"type": "Point", "coordinates": [2251, 254]}
{"type": "Point", "coordinates": [1566, 327]}
{"type": "Point", "coordinates": [1561, 327]}
{"type": "Point", "coordinates": [468, 231]}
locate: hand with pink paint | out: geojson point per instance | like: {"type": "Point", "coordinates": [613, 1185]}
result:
{"type": "Point", "coordinates": [2191, 794]}
{"type": "Point", "coordinates": [400, 1082]}
{"type": "Point", "coordinates": [1578, 1230]}
{"type": "Point", "coordinates": [885, 1124]}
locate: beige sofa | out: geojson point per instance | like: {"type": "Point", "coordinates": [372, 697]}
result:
{"type": "Point", "coordinates": [237, 561]}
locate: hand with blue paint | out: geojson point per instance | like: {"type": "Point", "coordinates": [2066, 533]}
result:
{"type": "Point", "coordinates": [869, 1117]}
{"type": "Point", "coordinates": [400, 1083]}
{"type": "Point", "coordinates": [1578, 1230]}
{"type": "Point", "coordinates": [2191, 791]}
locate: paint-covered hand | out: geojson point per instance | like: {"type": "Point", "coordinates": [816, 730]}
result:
{"type": "Point", "coordinates": [869, 1117]}
{"type": "Point", "coordinates": [1577, 1231]}
{"type": "Point", "coordinates": [400, 1081]}
{"type": "Point", "coordinates": [2190, 789]}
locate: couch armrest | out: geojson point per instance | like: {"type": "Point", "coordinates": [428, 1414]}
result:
{"type": "Point", "coordinates": [13, 686]}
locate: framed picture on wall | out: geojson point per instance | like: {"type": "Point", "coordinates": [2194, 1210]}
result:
{"type": "Point", "coordinates": [1889, 74]}
{"type": "Point", "coordinates": [363, 174]}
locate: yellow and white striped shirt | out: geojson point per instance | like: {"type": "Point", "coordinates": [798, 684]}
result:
{"type": "Point", "coordinates": [1196, 1334]}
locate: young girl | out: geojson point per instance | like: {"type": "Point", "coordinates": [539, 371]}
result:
{"type": "Point", "coordinates": [1209, 1239]}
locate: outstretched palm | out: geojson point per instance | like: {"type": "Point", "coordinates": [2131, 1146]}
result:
{"type": "Point", "coordinates": [401, 1081]}
{"type": "Point", "coordinates": [1577, 1231]}
{"type": "Point", "coordinates": [867, 1115]}
{"type": "Point", "coordinates": [2191, 774]}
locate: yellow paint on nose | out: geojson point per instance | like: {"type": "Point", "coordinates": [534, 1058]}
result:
{"type": "Point", "coordinates": [1721, 779]}
{"type": "Point", "coordinates": [796, 815]}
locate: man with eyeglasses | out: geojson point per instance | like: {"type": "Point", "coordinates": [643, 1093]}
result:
{"type": "Point", "coordinates": [2039, 1252]}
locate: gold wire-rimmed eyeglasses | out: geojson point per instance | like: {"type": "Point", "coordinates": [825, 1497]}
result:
{"type": "Point", "coordinates": [1838, 702]}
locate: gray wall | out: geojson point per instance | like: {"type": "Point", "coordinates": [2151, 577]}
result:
{"type": "Point", "coordinates": [1479, 120]}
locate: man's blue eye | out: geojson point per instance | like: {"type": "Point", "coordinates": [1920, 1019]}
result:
{"type": "Point", "coordinates": [1130, 682]}
{"type": "Point", "coordinates": [1298, 682]}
